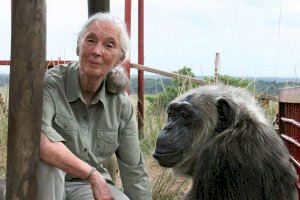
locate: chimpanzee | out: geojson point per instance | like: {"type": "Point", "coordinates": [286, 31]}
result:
{"type": "Point", "coordinates": [219, 136]}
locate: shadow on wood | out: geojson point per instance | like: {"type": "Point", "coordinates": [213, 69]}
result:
{"type": "Point", "coordinates": [2, 189]}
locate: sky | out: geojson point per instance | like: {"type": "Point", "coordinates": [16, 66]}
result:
{"type": "Point", "coordinates": [254, 37]}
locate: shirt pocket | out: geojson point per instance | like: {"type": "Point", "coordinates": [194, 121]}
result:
{"type": "Point", "coordinates": [107, 142]}
{"type": "Point", "coordinates": [65, 125]}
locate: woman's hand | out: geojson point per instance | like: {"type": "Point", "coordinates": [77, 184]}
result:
{"type": "Point", "coordinates": [99, 186]}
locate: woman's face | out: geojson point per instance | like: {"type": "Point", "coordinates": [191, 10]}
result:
{"type": "Point", "coordinates": [99, 49]}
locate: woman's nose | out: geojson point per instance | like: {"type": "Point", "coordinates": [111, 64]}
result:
{"type": "Point", "coordinates": [97, 50]}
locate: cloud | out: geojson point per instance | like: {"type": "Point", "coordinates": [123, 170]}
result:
{"type": "Point", "coordinates": [189, 33]}
{"type": "Point", "coordinates": [5, 30]}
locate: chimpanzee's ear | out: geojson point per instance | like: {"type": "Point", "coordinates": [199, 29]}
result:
{"type": "Point", "coordinates": [225, 115]}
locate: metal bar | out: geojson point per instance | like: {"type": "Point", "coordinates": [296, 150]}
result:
{"type": "Point", "coordinates": [28, 57]}
{"type": "Point", "coordinates": [290, 140]}
{"type": "Point", "coordinates": [141, 72]}
{"type": "Point", "coordinates": [292, 121]}
{"type": "Point", "coordinates": [298, 187]}
{"type": "Point", "coordinates": [297, 165]}
{"type": "Point", "coordinates": [4, 62]}
{"type": "Point", "coordinates": [127, 17]}
{"type": "Point", "coordinates": [57, 62]}
{"type": "Point", "coordinates": [295, 162]}
{"type": "Point", "coordinates": [48, 62]}
{"type": "Point", "coordinates": [95, 6]}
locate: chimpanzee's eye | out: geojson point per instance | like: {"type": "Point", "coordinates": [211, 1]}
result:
{"type": "Point", "coordinates": [185, 114]}
{"type": "Point", "coordinates": [170, 111]}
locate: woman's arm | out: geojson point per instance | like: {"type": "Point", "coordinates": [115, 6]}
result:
{"type": "Point", "coordinates": [58, 155]}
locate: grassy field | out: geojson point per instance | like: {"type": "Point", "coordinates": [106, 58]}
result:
{"type": "Point", "coordinates": [3, 130]}
{"type": "Point", "coordinates": [163, 182]}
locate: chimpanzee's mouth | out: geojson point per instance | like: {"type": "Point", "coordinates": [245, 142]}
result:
{"type": "Point", "coordinates": [168, 159]}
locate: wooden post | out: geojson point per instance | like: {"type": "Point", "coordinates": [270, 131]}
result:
{"type": "Point", "coordinates": [28, 58]}
{"type": "Point", "coordinates": [217, 60]}
{"type": "Point", "coordinates": [95, 6]}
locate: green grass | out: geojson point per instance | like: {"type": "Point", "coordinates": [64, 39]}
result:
{"type": "Point", "coordinates": [3, 130]}
{"type": "Point", "coordinates": [3, 145]}
{"type": "Point", "coordinates": [168, 187]}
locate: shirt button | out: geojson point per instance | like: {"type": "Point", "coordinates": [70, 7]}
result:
{"type": "Point", "coordinates": [85, 149]}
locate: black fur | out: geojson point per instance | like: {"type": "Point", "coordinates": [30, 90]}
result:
{"type": "Point", "coordinates": [220, 137]}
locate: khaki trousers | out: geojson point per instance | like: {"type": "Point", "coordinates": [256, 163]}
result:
{"type": "Point", "coordinates": [52, 186]}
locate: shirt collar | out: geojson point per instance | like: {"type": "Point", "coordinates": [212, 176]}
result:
{"type": "Point", "coordinates": [101, 95]}
{"type": "Point", "coordinates": [73, 90]}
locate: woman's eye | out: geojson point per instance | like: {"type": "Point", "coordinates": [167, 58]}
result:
{"type": "Point", "coordinates": [90, 40]}
{"type": "Point", "coordinates": [110, 45]}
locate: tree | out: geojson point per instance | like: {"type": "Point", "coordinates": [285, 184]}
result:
{"type": "Point", "coordinates": [233, 81]}
{"type": "Point", "coordinates": [160, 101]}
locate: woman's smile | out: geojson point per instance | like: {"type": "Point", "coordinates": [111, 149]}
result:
{"type": "Point", "coordinates": [94, 63]}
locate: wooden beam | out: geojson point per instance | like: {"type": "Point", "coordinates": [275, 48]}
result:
{"type": "Point", "coordinates": [217, 61]}
{"type": "Point", "coordinates": [28, 57]}
{"type": "Point", "coordinates": [167, 74]}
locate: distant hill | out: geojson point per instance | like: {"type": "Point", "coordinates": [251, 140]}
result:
{"type": "Point", "coordinates": [273, 79]}
{"type": "Point", "coordinates": [156, 84]}
{"type": "Point", "coordinates": [267, 79]}
{"type": "Point", "coordinates": [4, 80]}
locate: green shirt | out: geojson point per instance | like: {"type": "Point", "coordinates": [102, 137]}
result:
{"type": "Point", "coordinates": [94, 132]}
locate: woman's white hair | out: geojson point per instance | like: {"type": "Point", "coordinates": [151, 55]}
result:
{"type": "Point", "coordinates": [119, 25]}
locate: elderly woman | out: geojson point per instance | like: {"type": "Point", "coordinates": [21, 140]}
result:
{"type": "Point", "coordinates": [83, 123]}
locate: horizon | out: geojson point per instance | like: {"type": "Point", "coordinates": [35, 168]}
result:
{"type": "Point", "coordinates": [4, 70]}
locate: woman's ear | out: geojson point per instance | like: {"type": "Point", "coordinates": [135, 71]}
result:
{"type": "Point", "coordinates": [121, 59]}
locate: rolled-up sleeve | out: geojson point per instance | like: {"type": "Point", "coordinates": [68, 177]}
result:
{"type": "Point", "coordinates": [48, 114]}
{"type": "Point", "coordinates": [131, 163]}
